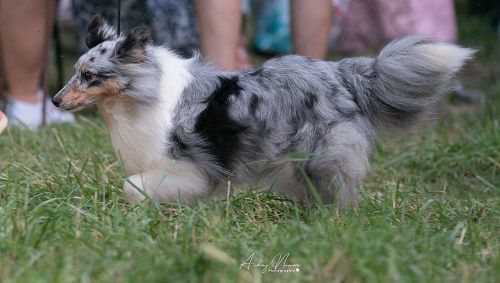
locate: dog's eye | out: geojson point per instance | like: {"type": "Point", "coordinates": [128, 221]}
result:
{"type": "Point", "coordinates": [87, 75]}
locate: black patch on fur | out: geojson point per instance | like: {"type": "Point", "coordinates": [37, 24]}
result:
{"type": "Point", "coordinates": [133, 47]}
{"type": "Point", "coordinates": [103, 50]}
{"type": "Point", "coordinates": [262, 128]}
{"type": "Point", "coordinates": [256, 72]}
{"type": "Point", "coordinates": [351, 114]}
{"type": "Point", "coordinates": [325, 78]}
{"type": "Point", "coordinates": [178, 141]}
{"type": "Point", "coordinates": [305, 114]}
{"type": "Point", "coordinates": [310, 100]}
{"type": "Point", "coordinates": [105, 73]}
{"type": "Point", "coordinates": [397, 116]}
{"type": "Point", "coordinates": [92, 59]}
{"type": "Point", "coordinates": [129, 85]}
{"type": "Point", "coordinates": [95, 82]}
{"type": "Point", "coordinates": [284, 85]}
{"type": "Point", "coordinates": [95, 35]}
{"type": "Point", "coordinates": [310, 59]}
{"type": "Point", "coordinates": [219, 130]}
{"type": "Point", "coordinates": [259, 76]}
{"type": "Point", "coordinates": [261, 80]}
{"type": "Point", "coordinates": [254, 104]}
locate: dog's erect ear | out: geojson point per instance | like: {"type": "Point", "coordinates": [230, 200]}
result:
{"type": "Point", "coordinates": [133, 47]}
{"type": "Point", "coordinates": [99, 31]}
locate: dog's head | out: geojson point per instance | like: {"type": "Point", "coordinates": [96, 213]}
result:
{"type": "Point", "coordinates": [100, 73]}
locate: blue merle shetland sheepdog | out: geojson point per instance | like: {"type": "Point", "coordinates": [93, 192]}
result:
{"type": "Point", "coordinates": [182, 128]}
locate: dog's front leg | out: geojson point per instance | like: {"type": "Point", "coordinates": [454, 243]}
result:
{"type": "Point", "coordinates": [179, 181]}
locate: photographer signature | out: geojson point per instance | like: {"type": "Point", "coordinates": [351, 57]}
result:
{"type": "Point", "coordinates": [278, 264]}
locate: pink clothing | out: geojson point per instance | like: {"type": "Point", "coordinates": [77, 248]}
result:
{"type": "Point", "coordinates": [372, 23]}
{"type": "Point", "coordinates": [435, 18]}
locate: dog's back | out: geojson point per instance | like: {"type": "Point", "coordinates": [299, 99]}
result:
{"type": "Point", "coordinates": [328, 110]}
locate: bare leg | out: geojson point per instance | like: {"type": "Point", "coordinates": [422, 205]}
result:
{"type": "Point", "coordinates": [311, 26]}
{"type": "Point", "coordinates": [180, 181]}
{"type": "Point", "coordinates": [219, 25]}
{"type": "Point", "coordinates": [24, 27]}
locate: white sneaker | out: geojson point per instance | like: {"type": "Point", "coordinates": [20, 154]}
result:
{"type": "Point", "coordinates": [3, 122]}
{"type": "Point", "coordinates": [30, 114]}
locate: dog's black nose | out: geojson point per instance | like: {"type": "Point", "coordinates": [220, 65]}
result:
{"type": "Point", "coordinates": [56, 101]}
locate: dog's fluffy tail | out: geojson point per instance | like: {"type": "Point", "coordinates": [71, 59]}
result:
{"type": "Point", "coordinates": [405, 82]}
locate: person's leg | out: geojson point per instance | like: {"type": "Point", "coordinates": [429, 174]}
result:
{"type": "Point", "coordinates": [219, 25]}
{"type": "Point", "coordinates": [23, 29]}
{"type": "Point", "coordinates": [311, 26]}
{"type": "Point", "coordinates": [25, 34]}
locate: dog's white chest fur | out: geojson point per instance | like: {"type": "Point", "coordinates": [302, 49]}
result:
{"type": "Point", "coordinates": [139, 132]}
{"type": "Point", "coordinates": [138, 135]}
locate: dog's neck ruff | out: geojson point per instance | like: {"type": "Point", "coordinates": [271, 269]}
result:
{"type": "Point", "coordinates": [137, 130]}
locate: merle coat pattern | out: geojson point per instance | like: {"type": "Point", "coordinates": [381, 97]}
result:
{"type": "Point", "coordinates": [301, 126]}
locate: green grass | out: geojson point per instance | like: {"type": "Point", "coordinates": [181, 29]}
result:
{"type": "Point", "coordinates": [429, 212]}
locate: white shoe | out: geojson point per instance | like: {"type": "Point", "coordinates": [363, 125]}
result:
{"type": "Point", "coordinates": [30, 114]}
{"type": "Point", "coordinates": [3, 122]}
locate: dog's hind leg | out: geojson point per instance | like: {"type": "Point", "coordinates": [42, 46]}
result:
{"type": "Point", "coordinates": [339, 164]}
{"type": "Point", "coordinates": [179, 181]}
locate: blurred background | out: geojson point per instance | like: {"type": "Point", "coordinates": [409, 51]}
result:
{"type": "Point", "coordinates": [41, 40]}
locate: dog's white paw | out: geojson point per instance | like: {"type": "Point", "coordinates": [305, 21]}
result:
{"type": "Point", "coordinates": [134, 189]}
